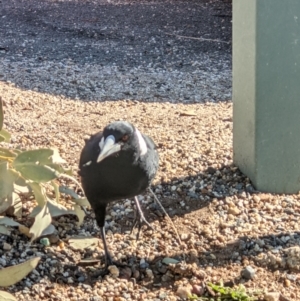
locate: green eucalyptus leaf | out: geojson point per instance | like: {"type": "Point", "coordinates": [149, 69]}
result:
{"type": "Point", "coordinates": [42, 221]}
{"type": "Point", "coordinates": [4, 152]}
{"type": "Point", "coordinates": [36, 173]}
{"type": "Point", "coordinates": [55, 209]}
{"type": "Point", "coordinates": [20, 181]}
{"type": "Point", "coordinates": [69, 191]}
{"type": "Point", "coordinates": [42, 156]}
{"type": "Point", "coordinates": [4, 135]}
{"type": "Point", "coordinates": [7, 178]}
{"type": "Point", "coordinates": [82, 202]}
{"type": "Point", "coordinates": [36, 156]}
{"type": "Point", "coordinates": [56, 167]}
{"type": "Point", "coordinates": [39, 193]}
{"type": "Point", "coordinates": [8, 222]}
{"type": "Point", "coordinates": [56, 190]}
{"type": "Point", "coordinates": [1, 113]}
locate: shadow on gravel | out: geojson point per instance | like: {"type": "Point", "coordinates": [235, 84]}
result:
{"type": "Point", "coordinates": [232, 254]}
{"type": "Point", "coordinates": [100, 50]}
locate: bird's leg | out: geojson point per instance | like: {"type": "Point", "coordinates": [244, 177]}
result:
{"type": "Point", "coordinates": [100, 212]}
{"type": "Point", "coordinates": [139, 218]}
{"type": "Point", "coordinates": [108, 259]}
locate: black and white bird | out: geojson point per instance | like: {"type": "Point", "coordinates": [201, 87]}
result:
{"type": "Point", "coordinates": [115, 164]}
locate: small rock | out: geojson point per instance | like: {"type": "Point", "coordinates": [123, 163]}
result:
{"type": "Point", "coordinates": [6, 246]}
{"type": "Point", "coordinates": [165, 278]}
{"type": "Point", "coordinates": [2, 261]}
{"type": "Point", "coordinates": [272, 296]}
{"type": "Point", "coordinates": [234, 211]}
{"type": "Point", "coordinates": [184, 292]}
{"type": "Point", "coordinates": [126, 273]}
{"type": "Point", "coordinates": [248, 272]}
{"type": "Point", "coordinates": [143, 264]}
{"type": "Point", "coordinates": [287, 282]}
{"type": "Point", "coordinates": [45, 241]}
{"type": "Point", "coordinates": [184, 236]}
{"type": "Point", "coordinates": [162, 295]}
{"type": "Point", "coordinates": [53, 239]}
{"type": "Point", "coordinates": [198, 290]}
{"type": "Point", "coordinates": [293, 257]}
{"type": "Point", "coordinates": [149, 273]}
{"type": "Point", "coordinates": [136, 274]}
{"type": "Point", "coordinates": [168, 260]}
{"type": "Point", "coordinates": [61, 245]}
{"type": "Point", "coordinates": [114, 271]}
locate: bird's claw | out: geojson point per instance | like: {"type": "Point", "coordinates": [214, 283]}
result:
{"type": "Point", "coordinates": [105, 271]}
{"type": "Point", "coordinates": [139, 222]}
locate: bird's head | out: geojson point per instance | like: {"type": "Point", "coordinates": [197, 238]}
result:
{"type": "Point", "coordinates": [118, 136]}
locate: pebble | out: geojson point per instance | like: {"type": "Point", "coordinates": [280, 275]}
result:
{"type": "Point", "coordinates": [184, 292]}
{"type": "Point", "coordinates": [45, 241]}
{"type": "Point", "coordinates": [287, 282]}
{"type": "Point", "coordinates": [6, 246]}
{"type": "Point", "coordinates": [2, 262]}
{"type": "Point", "coordinates": [234, 211]}
{"type": "Point", "coordinates": [114, 271]}
{"type": "Point", "coordinates": [272, 296]}
{"type": "Point", "coordinates": [149, 273]}
{"type": "Point", "coordinates": [198, 290]}
{"type": "Point", "coordinates": [81, 279]}
{"type": "Point", "coordinates": [248, 272]}
{"type": "Point", "coordinates": [168, 260]}
{"type": "Point", "coordinates": [143, 264]}
{"type": "Point", "coordinates": [126, 273]}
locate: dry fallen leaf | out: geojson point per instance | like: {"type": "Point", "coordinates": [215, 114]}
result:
{"type": "Point", "coordinates": [4, 230]}
{"type": "Point", "coordinates": [13, 274]}
{"type": "Point", "coordinates": [24, 230]}
{"type": "Point", "coordinates": [5, 296]}
{"type": "Point", "coordinates": [80, 214]}
{"type": "Point", "coordinates": [187, 113]}
{"type": "Point", "coordinates": [83, 242]}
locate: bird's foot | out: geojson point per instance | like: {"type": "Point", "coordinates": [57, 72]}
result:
{"type": "Point", "coordinates": [106, 270]}
{"type": "Point", "coordinates": [139, 221]}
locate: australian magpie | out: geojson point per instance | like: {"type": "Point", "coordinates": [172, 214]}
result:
{"type": "Point", "coordinates": [118, 163]}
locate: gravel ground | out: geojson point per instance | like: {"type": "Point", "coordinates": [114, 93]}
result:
{"type": "Point", "coordinates": [223, 223]}
{"type": "Point", "coordinates": [110, 50]}
{"type": "Point", "coordinates": [51, 58]}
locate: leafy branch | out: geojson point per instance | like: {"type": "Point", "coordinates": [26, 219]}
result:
{"type": "Point", "coordinates": [33, 173]}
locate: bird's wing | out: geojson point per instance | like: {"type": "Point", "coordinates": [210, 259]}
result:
{"type": "Point", "coordinates": [152, 157]}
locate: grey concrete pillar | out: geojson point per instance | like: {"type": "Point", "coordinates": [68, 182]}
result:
{"type": "Point", "coordinates": [266, 93]}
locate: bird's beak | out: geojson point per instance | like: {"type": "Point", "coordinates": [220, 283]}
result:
{"type": "Point", "coordinates": [110, 147]}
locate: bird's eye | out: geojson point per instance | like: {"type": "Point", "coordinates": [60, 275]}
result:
{"type": "Point", "coordinates": [125, 138]}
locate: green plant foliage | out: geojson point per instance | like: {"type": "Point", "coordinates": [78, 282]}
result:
{"type": "Point", "coordinates": [1, 114]}
{"type": "Point", "coordinates": [4, 135]}
{"type": "Point", "coordinates": [7, 181]}
{"type": "Point", "coordinates": [34, 173]}
{"type": "Point", "coordinates": [224, 293]}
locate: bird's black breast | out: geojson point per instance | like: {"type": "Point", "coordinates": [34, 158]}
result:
{"type": "Point", "coordinates": [122, 175]}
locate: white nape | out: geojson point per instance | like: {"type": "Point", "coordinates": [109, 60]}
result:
{"type": "Point", "coordinates": [142, 142]}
